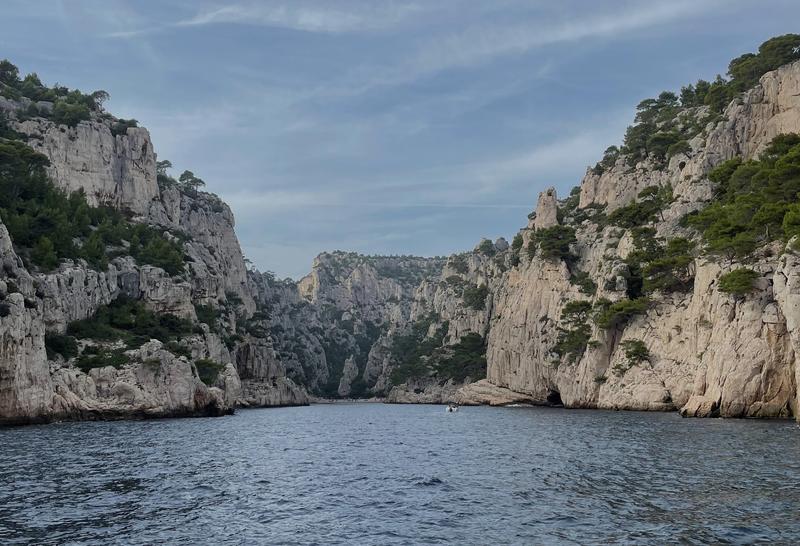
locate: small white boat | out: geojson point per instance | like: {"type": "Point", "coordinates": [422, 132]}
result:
{"type": "Point", "coordinates": [451, 408]}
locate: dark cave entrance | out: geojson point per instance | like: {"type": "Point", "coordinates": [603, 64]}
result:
{"type": "Point", "coordinates": [554, 398]}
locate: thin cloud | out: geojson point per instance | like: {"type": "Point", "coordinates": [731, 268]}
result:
{"type": "Point", "coordinates": [485, 42]}
{"type": "Point", "coordinates": [310, 17]}
{"type": "Point", "coordinates": [133, 33]}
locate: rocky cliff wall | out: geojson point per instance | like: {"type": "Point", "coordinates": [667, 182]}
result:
{"type": "Point", "coordinates": [710, 353]}
{"type": "Point", "coordinates": [119, 170]}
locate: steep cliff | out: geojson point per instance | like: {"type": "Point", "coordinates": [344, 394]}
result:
{"type": "Point", "coordinates": [693, 347]}
{"type": "Point", "coordinates": [666, 281]}
{"type": "Point", "coordinates": [330, 328]}
{"type": "Point", "coordinates": [614, 297]}
{"type": "Point", "coordinates": [145, 308]}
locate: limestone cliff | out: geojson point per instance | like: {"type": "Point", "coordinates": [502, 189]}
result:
{"type": "Point", "coordinates": [708, 353]}
{"type": "Point", "coordinates": [608, 298]}
{"type": "Point", "coordinates": [331, 327]}
{"type": "Point", "coordinates": [116, 168]}
{"type": "Point", "coordinates": [696, 349]}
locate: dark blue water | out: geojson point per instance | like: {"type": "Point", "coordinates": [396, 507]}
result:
{"type": "Point", "coordinates": [379, 474]}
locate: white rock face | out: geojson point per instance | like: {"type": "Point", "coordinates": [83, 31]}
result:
{"type": "Point", "coordinates": [114, 170]}
{"type": "Point", "coordinates": [546, 210]}
{"type": "Point", "coordinates": [484, 393]}
{"type": "Point", "coordinates": [711, 353]}
{"type": "Point", "coordinates": [120, 171]}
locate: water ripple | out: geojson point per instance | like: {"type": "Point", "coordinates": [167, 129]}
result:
{"type": "Point", "coordinates": [374, 474]}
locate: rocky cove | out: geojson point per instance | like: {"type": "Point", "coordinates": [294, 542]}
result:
{"type": "Point", "coordinates": [150, 310]}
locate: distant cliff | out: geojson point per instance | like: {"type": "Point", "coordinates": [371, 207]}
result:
{"type": "Point", "coordinates": [655, 285]}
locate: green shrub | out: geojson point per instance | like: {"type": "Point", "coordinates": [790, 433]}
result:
{"type": "Point", "coordinates": [208, 370]}
{"type": "Point", "coordinates": [755, 201]}
{"type": "Point", "coordinates": [475, 297]}
{"type": "Point", "coordinates": [458, 263]}
{"type": "Point", "coordinates": [652, 201]}
{"type": "Point", "coordinates": [486, 247]}
{"type": "Point", "coordinates": [43, 253]}
{"type": "Point", "coordinates": [93, 357]}
{"type": "Point", "coordinates": [54, 344]}
{"type": "Point", "coordinates": [670, 271]}
{"type": "Point", "coordinates": [635, 351]}
{"type": "Point", "coordinates": [68, 113]}
{"type": "Point", "coordinates": [575, 338]}
{"type": "Point", "coordinates": [582, 280]}
{"type": "Point", "coordinates": [121, 126]}
{"type": "Point", "coordinates": [130, 321]}
{"type": "Point", "coordinates": [680, 147]}
{"type": "Point", "coordinates": [554, 242]}
{"type": "Point", "coordinates": [411, 351]}
{"type": "Point", "coordinates": [738, 282]}
{"type": "Point", "coordinates": [465, 359]}
{"type": "Point", "coordinates": [178, 349]}
{"type": "Point", "coordinates": [516, 242]}
{"type": "Point", "coordinates": [610, 157]}
{"type": "Point", "coordinates": [614, 315]}
{"type": "Point", "coordinates": [44, 222]}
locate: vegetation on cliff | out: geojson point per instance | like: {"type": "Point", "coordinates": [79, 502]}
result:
{"type": "Point", "coordinates": [48, 225]}
{"type": "Point", "coordinates": [68, 106]}
{"type": "Point", "coordinates": [755, 201]}
{"type": "Point", "coordinates": [422, 354]}
{"type": "Point", "coordinates": [131, 322]}
{"type": "Point", "coordinates": [738, 282]}
{"type": "Point", "coordinates": [664, 125]}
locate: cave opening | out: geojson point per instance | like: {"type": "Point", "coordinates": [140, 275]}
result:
{"type": "Point", "coordinates": [554, 398]}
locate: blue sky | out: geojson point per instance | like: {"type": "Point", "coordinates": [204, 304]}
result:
{"type": "Point", "coordinates": [382, 127]}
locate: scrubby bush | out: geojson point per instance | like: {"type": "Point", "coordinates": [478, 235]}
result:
{"type": "Point", "coordinates": [635, 351]}
{"type": "Point", "coordinates": [575, 337]}
{"type": "Point", "coordinates": [475, 297]}
{"type": "Point", "coordinates": [651, 201]}
{"type": "Point", "coordinates": [70, 113]}
{"type": "Point", "coordinates": [486, 247]}
{"type": "Point", "coordinates": [554, 242]}
{"type": "Point", "coordinates": [755, 201]}
{"type": "Point", "coordinates": [93, 357]}
{"type": "Point", "coordinates": [412, 350]}
{"type": "Point", "coordinates": [465, 359]}
{"type": "Point", "coordinates": [516, 242]}
{"type": "Point", "coordinates": [130, 321]}
{"type": "Point", "coordinates": [458, 263]}
{"type": "Point", "coordinates": [54, 344]}
{"type": "Point", "coordinates": [121, 126]}
{"type": "Point", "coordinates": [738, 282]}
{"type": "Point", "coordinates": [610, 157]}
{"type": "Point", "coordinates": [679, 147]}
{"type": "Point", "coordinates": [208, 370]}
{"type": "Point", "coordinates": [670, 269]}
{"type": "Point", "coordinates": [584, 282]}
{"type": "Point", "coordinates": [615, 315]}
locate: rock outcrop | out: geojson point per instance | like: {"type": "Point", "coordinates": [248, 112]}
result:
{"type": "Point", "coordinates": [117, 168]}
{"type": "Point", "coordinates": [711, 354]}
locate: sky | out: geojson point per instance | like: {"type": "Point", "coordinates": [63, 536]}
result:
{"type": "Point", "coordinates": [380, 126]}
